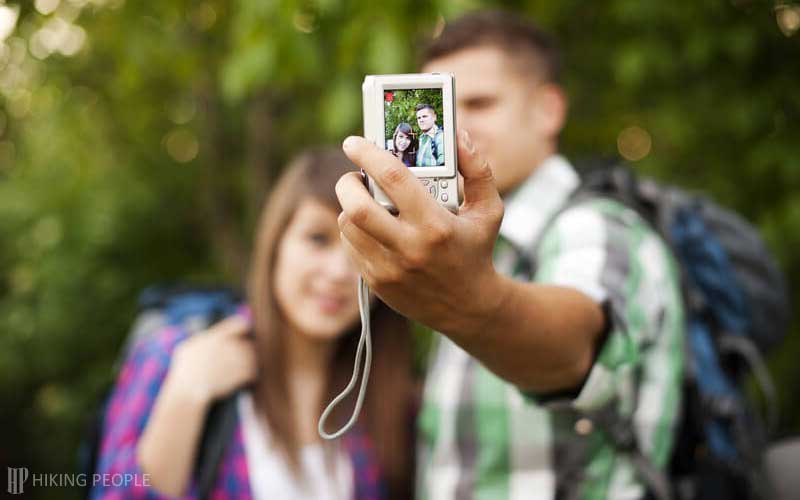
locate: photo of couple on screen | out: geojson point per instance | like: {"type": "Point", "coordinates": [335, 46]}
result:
{"type": "Point", "coordinates": [413, 131]}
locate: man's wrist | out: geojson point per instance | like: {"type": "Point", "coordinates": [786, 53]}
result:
{"type": "Point", "coordinates": [485, 312]}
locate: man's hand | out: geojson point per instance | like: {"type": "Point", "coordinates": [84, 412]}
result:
{"type": "Point", "coordinates": [436, 268]}
{"type": "Point", "coordinates": [428, 264]}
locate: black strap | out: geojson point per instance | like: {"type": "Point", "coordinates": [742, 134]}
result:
{"type": "Point", "coordinates": [218, 430]}
{"type": "Point", "coordinates": [217, 433]}
{"type": "Point", "coordinates": [621, 433]}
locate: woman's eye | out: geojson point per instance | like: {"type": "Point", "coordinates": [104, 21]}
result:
{"type": "Point", "coordinates": [320, 239]}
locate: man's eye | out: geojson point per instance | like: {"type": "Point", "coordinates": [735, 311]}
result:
{"type": "Point", "coordinates": [480, 102]}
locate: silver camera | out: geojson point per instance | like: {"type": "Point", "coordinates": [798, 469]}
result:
{"type": "Point", "coordinates": [413, 116]}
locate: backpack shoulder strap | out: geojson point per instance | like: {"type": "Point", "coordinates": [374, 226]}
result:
{"type": "Point", "coordinates": [194, 309]}
{"type": "Point", "coordinates": [618, 430]}
{"type": "Point", "coordinates": [218, 430]}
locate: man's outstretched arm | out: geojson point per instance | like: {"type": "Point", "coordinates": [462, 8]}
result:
{"type": "Point", "coordinates": [436, 268]}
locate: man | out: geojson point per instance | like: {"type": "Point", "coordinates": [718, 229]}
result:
{"type": "Point", "coordinates": [431, 141]}
{"type": "Point", "coordinates": [559, 325]}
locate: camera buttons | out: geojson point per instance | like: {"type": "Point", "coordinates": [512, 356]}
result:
{"type": "Point", "coordinates": [443, 184]}
{"type": "Point", "coordinates": [425, 182]}
{"type": "Point", "coordinates": [444, 197]}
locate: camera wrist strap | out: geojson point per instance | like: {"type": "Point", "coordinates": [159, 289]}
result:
{"type": "Point", "coordinates": [364, 343]}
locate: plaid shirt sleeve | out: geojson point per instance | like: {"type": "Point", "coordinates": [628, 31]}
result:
{"type": "Point", "coordinates": [126, 414]}
{"type": "Point", "coordinates": [609, 253]}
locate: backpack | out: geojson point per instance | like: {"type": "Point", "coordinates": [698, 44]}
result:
{"type": "Point", "coordinates": [737, 308]}
{"type": "Point", "coordinates": [192, 309]}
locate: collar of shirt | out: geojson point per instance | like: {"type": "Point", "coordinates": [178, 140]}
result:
{"type": "Point", "coordinates": [532, 204]}
{"type": "Point", "coordinates": [432, 131]}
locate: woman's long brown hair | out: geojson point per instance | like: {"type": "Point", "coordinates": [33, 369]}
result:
{"type": "Point", "coordinates": [387, 408]}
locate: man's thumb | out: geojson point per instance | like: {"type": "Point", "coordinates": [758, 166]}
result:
{"type": "Point", "coordinates": [479, 186]}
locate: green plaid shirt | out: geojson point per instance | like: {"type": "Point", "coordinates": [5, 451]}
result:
{"type": "Point", "coordinates": [425, 156]}
{"type": "Point", "coordinates": [481, 438]}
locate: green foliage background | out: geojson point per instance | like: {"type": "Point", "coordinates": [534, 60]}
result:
{"type": "Point", "coordinates": [143, 155]}
{"type": "Point", "coordinates": [401, 109]}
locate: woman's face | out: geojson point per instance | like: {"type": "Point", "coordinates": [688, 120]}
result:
{"type": "Point", "coordinates": [315, 282]}
{"type": "Point", "coordinates": [401, 141]}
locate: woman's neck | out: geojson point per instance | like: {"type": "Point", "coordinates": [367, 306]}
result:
{"type": "Point", "coordinates": [307, 368]}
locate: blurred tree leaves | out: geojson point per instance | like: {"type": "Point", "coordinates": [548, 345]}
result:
{"type": "Point", "coordinates": [402, 109]}
{"type": "Point", "coordinates": [144, 157]}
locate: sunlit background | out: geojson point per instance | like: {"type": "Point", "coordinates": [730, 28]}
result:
{"type": "Point", "coordinates": [137, 140]}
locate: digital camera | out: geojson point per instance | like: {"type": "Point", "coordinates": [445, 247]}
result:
{"type": "Point", "coordinates": [413, 116]}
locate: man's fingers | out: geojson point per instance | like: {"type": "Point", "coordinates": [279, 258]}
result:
{"type": "Point", "coordinates": [479, 186]}
{"type": "Point", "coordinates": [399, 184]}
{"type": "Point", "coordinates": [369, 256]}
{"type": "Point", "coordinates": [364, 212]}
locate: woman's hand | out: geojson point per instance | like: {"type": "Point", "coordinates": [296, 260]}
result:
{"type": "Point", "coordinates": [205, 367]}
{"type": "Point", "coordinates": [214, 363]}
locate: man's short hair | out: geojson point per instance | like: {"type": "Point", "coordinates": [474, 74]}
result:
{"type": "Point", "coordinates": [527, 46]}
{"type": "Point", "coordinates": [422, 106]}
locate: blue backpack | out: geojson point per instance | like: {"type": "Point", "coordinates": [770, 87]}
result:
{"type": "Point", "coordinates": [193, 309]}
{"type": "Point", "coordinates": [737, 308]}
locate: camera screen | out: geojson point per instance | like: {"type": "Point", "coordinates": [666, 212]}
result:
{"type": "Point", "coordinates": [413, 122]}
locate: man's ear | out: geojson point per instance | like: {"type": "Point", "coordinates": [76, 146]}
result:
{"type": "Point", "coordinates": [550, 109]}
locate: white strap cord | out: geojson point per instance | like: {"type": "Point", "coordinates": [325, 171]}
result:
{"type": "Point", "coordinates": [364, 341]}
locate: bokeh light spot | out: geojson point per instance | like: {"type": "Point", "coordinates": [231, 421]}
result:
{"type": "Point", "coordinates": [182, 110]}
{"type": "Point", "coordinates": [304, 22]}
{"type": "Point", "coordinates": [634, 143]}
{"type": "Point", "coordinates": [8, 20]}
{"type": "Point", "coordinates": [788, 18]}
{"type": "Point", "coordinates": [204, 17]}
{"type": "Point", "coordinates": [46, 7]}
{"type": "Point", "coordinates": [181, 145]}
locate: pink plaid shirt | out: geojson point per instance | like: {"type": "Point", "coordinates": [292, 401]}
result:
{"type": "Point", "coordinates": [129, 407]}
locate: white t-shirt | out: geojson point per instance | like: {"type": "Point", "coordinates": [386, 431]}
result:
{"type": "Point", "coordinates": [270, 476]}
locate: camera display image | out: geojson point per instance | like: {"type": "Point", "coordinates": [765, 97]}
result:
{"type": "Point", "coordinates": [414, 128]}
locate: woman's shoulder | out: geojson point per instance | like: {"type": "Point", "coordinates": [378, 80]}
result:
{"type": "Point", "coordinates": [164, 339]}
{"type": "Point", "coordinates": [148, 359]}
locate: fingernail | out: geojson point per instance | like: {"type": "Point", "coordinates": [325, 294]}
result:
{"type": "Point", "coordinates": [350, 142]}
{"type": "Point", "coordinates": [468, 142]}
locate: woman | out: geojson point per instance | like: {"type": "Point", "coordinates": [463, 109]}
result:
{"type": "Point", "coordinates": [404, 144]}
{"type": "Point", "coordinates": [303, 303]}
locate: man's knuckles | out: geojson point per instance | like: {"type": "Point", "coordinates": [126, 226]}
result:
{"type": "Point", "coordinates": [392, 177]}
{"type": "Point", "coordinates": [359, 214]}
{"type": "Point", "coordinates": [438, 233]}
{"type": "Point", "coordinates": [380, 278]}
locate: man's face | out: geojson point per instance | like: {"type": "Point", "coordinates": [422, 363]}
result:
{"type": "Point", "coordinates": [426, 119]}
{"type": "Point", "coordinates": [507, 113]}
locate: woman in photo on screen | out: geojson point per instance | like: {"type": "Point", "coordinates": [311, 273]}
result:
{"type": "Point", "coordinates": [404, 144]}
